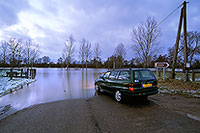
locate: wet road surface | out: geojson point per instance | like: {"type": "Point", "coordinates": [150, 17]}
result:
{"type": "Point", "coordinates": [102, 114]}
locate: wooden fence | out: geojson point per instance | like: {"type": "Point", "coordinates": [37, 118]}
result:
{"type": "Point", "coordinates": [18, 72]}
{"type": "Point", "coordinates": [192, 72]}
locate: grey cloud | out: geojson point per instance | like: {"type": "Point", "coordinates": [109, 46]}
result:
{"type": "Point", "coordinates": [9, 10]}
{"type": "Point", "coordinates": [106, 22]}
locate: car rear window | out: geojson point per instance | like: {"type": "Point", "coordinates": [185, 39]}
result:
{"type": "Point", "coordinates": [140, 75]}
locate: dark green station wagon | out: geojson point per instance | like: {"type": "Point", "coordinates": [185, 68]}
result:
{"type": "Point", "coordinates": [122, 83]}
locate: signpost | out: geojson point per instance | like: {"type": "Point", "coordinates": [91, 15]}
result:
{"type": "Point", "coordinates": [163, 65]}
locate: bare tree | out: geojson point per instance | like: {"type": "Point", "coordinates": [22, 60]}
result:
{"type": "Point", "coordinates": [144, 37]}
{"type": "Point", "coordinates": [13, 46]}
{"type": "Point", "coordinates": [31, 52]}
{"type": "Point", "coordinates": [88, 52]}
{"type": "Point", "coordinates": [82, 51]}
{"type": "Point", "coordinates": [193, 46]}
{"type": "Point", "coordinates": [4, 51]}
{"type": "Point", "coordinates": [171, 56]}
{"type": "Point", "coordinates": [19, 54]}
{"type": "Point", "coordinates": [97, 54]}
{"type": "Point", "coordinates": [60, 61]}
{"type": "Point", "coordinates": [119, 54]}
{"type": "Point", "coordinates": [14, 52]}
{"type": "Point", "coordinates": [68, 50]}
{"type": "Point", "coordinates": [120, 50]}
{"type": "Point", "coordinates": [27, 52]}
{"type": "Point", "coordinates": [34, 53]}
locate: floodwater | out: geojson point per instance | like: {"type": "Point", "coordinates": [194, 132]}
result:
{"type": "Point", "coordinates": [54, 84]}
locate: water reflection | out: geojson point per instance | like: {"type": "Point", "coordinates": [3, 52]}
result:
{"type": "Point", "coordinates": [54, 84]}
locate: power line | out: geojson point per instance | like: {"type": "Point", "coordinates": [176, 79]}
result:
{"type": "Point", "coordinates": [169, 15]}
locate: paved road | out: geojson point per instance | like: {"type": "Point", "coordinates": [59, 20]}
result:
{"type": "Point", "coordinates": [161, 113]}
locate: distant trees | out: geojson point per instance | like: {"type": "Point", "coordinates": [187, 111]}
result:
{"type": "Point", "coordinates": [15, 51]}
{"type": "Point", "coordinates": [85, 52]}
{"type": "Point", "coordinates": [120, 50]}
{"type": "Point", "coordinates": [171, 56]}
{"type": "Point", "coordinates": [110, 62]}
{"type": "Point", "coordinates": [68, 50]}
{"type": "Point", "coordinates": [97, 54]}
{"type": "Point", "coordinates": [30, 51]}
{"type": "Point", "coordinates": [193, 50]}
{"type": "Point", "coordinates": [82, 51]}
{"type": "Point", "coordinates": [145, 42]}
{"type": "Point", "coordinates": [88, 52]}
{"type": "Point", "coordinates": [119, 55]}
{"type": "Point", "coordinates": [193, 46]}
{"type": "Point", "coordinates": [4, 51]}
{"type": "Point", "coordinates": [45, 60]}
{"type": "Point", "coordinates": [19, 52]}
{"type": "Point", "coordinates": [60, 61]}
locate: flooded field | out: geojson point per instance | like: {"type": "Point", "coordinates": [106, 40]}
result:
{"type": "Point", "coordinates": [54, 84]}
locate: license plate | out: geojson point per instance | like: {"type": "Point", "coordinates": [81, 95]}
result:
{"type": "Point", "coordinates": [146, 85]}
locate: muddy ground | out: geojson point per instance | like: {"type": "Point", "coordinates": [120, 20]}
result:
{"type": "Point", "coordinates": [160, 113]}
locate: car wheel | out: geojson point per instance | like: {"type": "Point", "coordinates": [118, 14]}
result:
{"type": "Point", "coordinates": [98, 90]}
{"type": "Point", "coordinates": [118, 96]}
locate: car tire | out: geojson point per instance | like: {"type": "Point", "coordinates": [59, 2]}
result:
{"type": "Point", "coordinates": [98, 90]}
{"type": "Point", "coordinates": [118, 96]}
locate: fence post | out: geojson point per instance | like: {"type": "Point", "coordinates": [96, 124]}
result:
{"type": "Point", "coordinates": [193, 75]}
{"type": "Point", "coordinates": [27, 73]}
{"type": "Point", "coordinates": [34, 73]}
{"type": "Point", "coordinates": [31, 73]}
{"type": "Point", "coordinates": [157, 73]}
{"type": "Point", "coordinates": [21, 72]}
{"type": "Point", "coordinates": [11, 72]}
{"type": "Point", "coordinates": [163, 73]}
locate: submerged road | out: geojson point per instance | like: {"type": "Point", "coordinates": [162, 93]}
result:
{"type": "Point", "coordinates": [161, 113]}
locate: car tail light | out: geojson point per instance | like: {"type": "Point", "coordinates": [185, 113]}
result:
{"type": "Point", "coordinates": [157, 83]}
{"type": "Point", "coordinates": [131, 87]}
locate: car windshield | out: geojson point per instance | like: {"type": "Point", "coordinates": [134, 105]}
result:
{"type": "Point", "coordinates": [142, 75]}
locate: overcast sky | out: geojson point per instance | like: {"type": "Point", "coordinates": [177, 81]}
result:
{"type": "Point", "coordinates": [108, 22]}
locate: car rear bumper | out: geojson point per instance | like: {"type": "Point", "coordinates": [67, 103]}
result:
{"type": "Point", "coordinates": [141, 92]}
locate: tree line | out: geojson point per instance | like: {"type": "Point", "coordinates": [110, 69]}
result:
{"type": "Point", "coordinates": [15, 52]}
{"type": "Point", "coordinates": [145, 48]}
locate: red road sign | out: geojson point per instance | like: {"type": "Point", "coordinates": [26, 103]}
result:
{"type": "Point", "coordinates": [161, 64]}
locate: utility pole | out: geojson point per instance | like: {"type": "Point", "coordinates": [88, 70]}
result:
{"type": "Point", "coordinates": [183, 19]}
{"type": "Point", "coordinates": [177, 45]}
{"type": "Point", "coordinates": [185, 41]}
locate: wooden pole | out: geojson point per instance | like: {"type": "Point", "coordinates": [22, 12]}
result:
{"type": "Point", "coordinates": [177, 45]}
{"type": "Point", "coordinates": [163, 73]}
{"type": "Point", "coordinates": [193, 75]}
{"type": "Point", "coordinates": [21, 72]}
{"type": "Point", "coordinates": [185, 40]}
